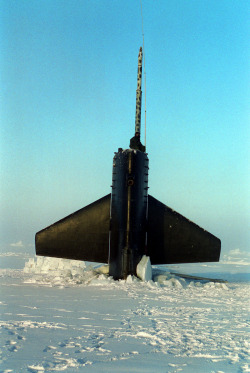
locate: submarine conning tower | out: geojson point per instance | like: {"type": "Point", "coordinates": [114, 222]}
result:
{"type": "Point", "coordinates": [129, 201]}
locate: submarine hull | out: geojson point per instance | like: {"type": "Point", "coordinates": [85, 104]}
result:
{"type": "Point", "coordinates": [123, 226]}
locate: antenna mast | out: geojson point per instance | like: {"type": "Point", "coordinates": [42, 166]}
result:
{"type": "Point", "coordinates": [144, 72]}
{"type": "Point", "coordinates": [138, 94]}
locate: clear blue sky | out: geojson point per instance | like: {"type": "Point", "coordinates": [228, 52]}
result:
{"type": "Point", "coordinates": [68, 84]}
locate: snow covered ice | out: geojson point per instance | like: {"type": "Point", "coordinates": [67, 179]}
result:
{"type": "Point", "coordinates": [62, 315]}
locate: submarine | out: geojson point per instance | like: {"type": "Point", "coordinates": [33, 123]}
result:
{"type": "Point", "coordinates": [123, 226]}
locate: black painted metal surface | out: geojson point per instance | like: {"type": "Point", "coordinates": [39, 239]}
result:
{"type": "Point", "coordinates": [83, 235]}
{"type": "Point", "coordinates": [174, 239]}
{"type": "Point", "coordinates": [128, 212]}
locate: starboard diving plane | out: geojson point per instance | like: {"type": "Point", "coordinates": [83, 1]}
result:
{"type": "Point", "coordinates": [123, 226]}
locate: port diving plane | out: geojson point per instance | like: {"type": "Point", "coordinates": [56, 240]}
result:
{"type": "Point", "coordinates": [123, 226]}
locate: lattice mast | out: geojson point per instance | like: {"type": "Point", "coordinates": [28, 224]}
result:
{"type": "Point", "coordinates": [138, 94]}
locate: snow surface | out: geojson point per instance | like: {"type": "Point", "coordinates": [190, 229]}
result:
{"type": "Point", "coordinates": [62, 315]}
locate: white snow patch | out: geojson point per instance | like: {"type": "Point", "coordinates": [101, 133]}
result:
{"type": "Point", "coordinates": [215, 285]}
{"type": "Point", "coordinates": [237, 257]}
{"type": "Point", "coordinates": [144, 269]}
{"type": "Point", "coordinates": [55, 265]}
{"type": "Point", "coordinates": [36, 368]}
{"type": "Point", "coordinates": [245, 368]}
{"type": "Point", "coordinates": [17, 244]}
{"type": "Point", "coordinates": [15, 254]}
{"type": "Point", "coordinates": [59, 272]}
{"type": "Point", "coordinates": [103, 269]}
